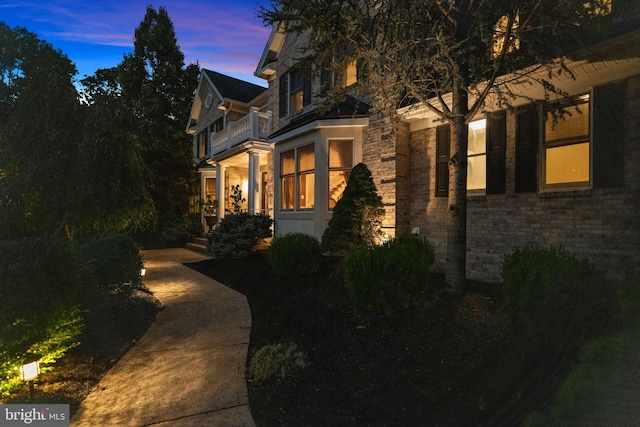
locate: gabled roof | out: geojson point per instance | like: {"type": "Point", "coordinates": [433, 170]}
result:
{"type": "Point", "coordinates": [271, 52]}
{"type": "Point", "coordinates": [226, 88]}
{"type": "Point", "coordinates": [232, 88]}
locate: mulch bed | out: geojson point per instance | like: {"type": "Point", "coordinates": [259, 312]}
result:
{"type": "Point", "coordinates": [450, 361]}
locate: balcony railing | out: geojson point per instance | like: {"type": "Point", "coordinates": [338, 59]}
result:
{"type": "Point", "coordinates": [254, 126]}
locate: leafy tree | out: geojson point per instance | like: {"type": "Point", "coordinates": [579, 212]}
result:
{"type": "Point", "coordinates": [39, 144]}
{"type": "Point", "coordinates": [427, 50]}
{"type": "Point", "coordinates": [357, 217]}
{"type": "Point", "coordinates": [158, 87]}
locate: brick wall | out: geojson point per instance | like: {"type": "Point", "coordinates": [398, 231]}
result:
{"type": "Point", "coordinates": [601, 225]}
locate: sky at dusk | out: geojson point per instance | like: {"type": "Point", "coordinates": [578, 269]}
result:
{"type": "Point", "coordinates": [221, 35]}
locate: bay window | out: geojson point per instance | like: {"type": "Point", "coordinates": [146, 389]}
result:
{"type": "Point", "coordinates": [340, 165]}
{"type": "Point", "coordinates": [297, 178]}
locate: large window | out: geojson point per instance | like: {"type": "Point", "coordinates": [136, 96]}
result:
{"type": "Point", "coordinates": [567, 145]}
{"type": "Point", "coordinates": [477, 157]}
{"type": "Point", "coordinates": [297, 178]}
{"type": "Point", "coordinates": [340, 165]}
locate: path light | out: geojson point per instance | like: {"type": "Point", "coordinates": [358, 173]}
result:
{"type": "Point", "coordinates": [29, 372]}
{"type": "Point", "coordinates": [143, 271]}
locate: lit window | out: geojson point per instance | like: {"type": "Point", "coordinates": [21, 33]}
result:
{"type": "Point", "coordinates": [296, 90]}
{"type": "Point", "coordinates": [352, 73]}
{"type": "Point", "coordinates": [306, 177]}
{"type": "Point", "coordinates": [567, 145]}
{"type": "Point", "coordinates": [477, 156]}
{"type": "Point", "coordinates": [500, 36]}
{"type": "Point", "coordinates": [297, 178]}
{"type": "Point", "coordinates": [340, 165]}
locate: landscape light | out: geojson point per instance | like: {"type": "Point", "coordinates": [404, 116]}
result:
{"type": "Point", "coordinates": [30, 371]}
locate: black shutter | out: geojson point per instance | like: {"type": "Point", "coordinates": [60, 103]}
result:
{"type": "Point", "coordinates": [443, 136]}
{"type": "Point", "coordinates": [527, 150]}
{"type": "Point", "coordinates": [496, 152]}
{"type": "Point", "coordinates": [306, 92]}
{"type": "Point", "coordinates": [609, 113]}
{"type": "Point", "coordinates": [325, 81]}
{"type": "Point", "coordinates": [282, 94]}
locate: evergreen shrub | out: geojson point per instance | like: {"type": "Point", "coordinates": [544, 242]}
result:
{"type": "Point", "coordinates": [294, 255]}
{"type": "Point", "coordinates": [389, 276]}
{"type": "Point", "coordinates": [237, 233]}
{"type": "Point", "coordinates": [556, 298]}
{"type": "Point", "coordinates": [357, 217]}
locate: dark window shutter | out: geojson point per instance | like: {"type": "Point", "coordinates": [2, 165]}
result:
{"type": "Point", "coordinates": [496, 152]}
{"type": "Point", "coordinates": [325, 81]}
{"type": "Point", "coordinates": [282, 95]}
{"type": "Point", "coordinates": [609, 116]}
{"type": "Point", "coordinates": [306, 92]}
{"type": "Point", "coordinates": [527, 150]}
{"type": "Point", "coordinates": [443, 136]}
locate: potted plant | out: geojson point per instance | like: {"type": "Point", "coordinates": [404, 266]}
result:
{"type": "Point", "coordinates": [210, 209]}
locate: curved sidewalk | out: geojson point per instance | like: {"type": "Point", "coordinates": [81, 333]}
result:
{"type": "Point", "coordinates": [188, 369]}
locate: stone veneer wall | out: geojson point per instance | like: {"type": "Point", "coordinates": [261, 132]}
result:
{"type": "Point", "coordinates": [602, 225]}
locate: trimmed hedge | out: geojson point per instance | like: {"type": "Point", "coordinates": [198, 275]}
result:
{"type": "Point", "coordinates": [556, 298]}
{"type": "Point", "coordinates": [390, 276]}
{"type": "Point", "coordinates": [294, 255]}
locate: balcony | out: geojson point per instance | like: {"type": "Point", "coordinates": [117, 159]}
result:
{"type": "Point", "coordinates": [254, 126]}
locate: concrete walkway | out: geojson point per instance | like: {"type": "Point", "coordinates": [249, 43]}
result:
{"type": "Point", "coordinates": [188, 369]}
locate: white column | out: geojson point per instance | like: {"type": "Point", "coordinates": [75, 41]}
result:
{"type": "Point", "coordinates": [220, 186]}
{"type": "Point", "coordinates": [253, 197]}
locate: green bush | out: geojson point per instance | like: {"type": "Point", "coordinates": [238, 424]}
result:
{"type": "Point", "coordinates": [357, 217]}
{"type": "Point", "coordinates": [237, 233]}
{"type": "Point", "coordinates": [390, 276]}
{"type": "Point", "coordinates": [558, 299]}
{"type": "Point", "coordinates": [276, 360]}
{"type": "Point", "coordinates": [294, 255]}
{"type": "Point", "coordinates": [112, 262]}
{"type": "Point", "coordinates": [39, 285]}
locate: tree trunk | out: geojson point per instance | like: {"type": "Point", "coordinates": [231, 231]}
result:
{"type": "Point", "coordinates": [457, 207]}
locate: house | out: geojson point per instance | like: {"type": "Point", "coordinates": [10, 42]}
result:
{"type": "Point", "coordinates": [230, 125]}
{"type": "Point", "coordinates": [573, 184]}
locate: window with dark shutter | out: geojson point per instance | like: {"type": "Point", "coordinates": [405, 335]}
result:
{"type": "Point", "coordinates": [443, 135]}
{"type": "Point", "coordinates": [282, 95]}
{"type": "Point", "coordinates": [609, 115]}
{"type": "Point", "coordinates": [496, 152]}
{"type": "Point", "coordinates": [527, 150]}
{"type": "Point", "coordinates": [306, 92]}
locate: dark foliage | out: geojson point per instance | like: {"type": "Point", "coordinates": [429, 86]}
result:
{"type": "Point", "coordinates": [357, 217]}
{"type": "Point", "coordinates": [449, 361]}
{"type": "Point", "coordinates": [391, 276]}
{"type": "Point", "coordinates": [294, 255]}
{"type": "Point", "coordinates": [237, 233]}
{"type": "Point", "coordinates": [556, 298]}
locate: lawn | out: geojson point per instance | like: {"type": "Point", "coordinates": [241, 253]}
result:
{"type": "Point", "coordinates": [450, 361]}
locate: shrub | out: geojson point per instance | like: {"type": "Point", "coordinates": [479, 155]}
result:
{"type": "Point", "coordinates": [357, 217]}
{"type": "Point", "coordinates": [112, 262]}
{"type": "Point", "coordinates": [39, 285]}
{"type": "Point", "coordinates": [294, 255]}
{"type": "Point", "coordinates": [237, 233]}
{"type": "Point", "coordinates": [556, 298]}
{"type": "Point", "coordinates": [389, 276]}
{"type": "Point", "coordinates": [276, 360]}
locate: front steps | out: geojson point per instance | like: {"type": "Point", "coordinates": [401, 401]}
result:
{"type": "Point", "coordinates": [197, 244]}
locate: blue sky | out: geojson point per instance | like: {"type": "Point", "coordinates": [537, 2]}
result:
{"type": "Point", "coordinates": [221, 35]}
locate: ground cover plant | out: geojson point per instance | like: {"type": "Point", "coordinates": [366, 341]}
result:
{"type": "Point", "coordinates": [450, 360]}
